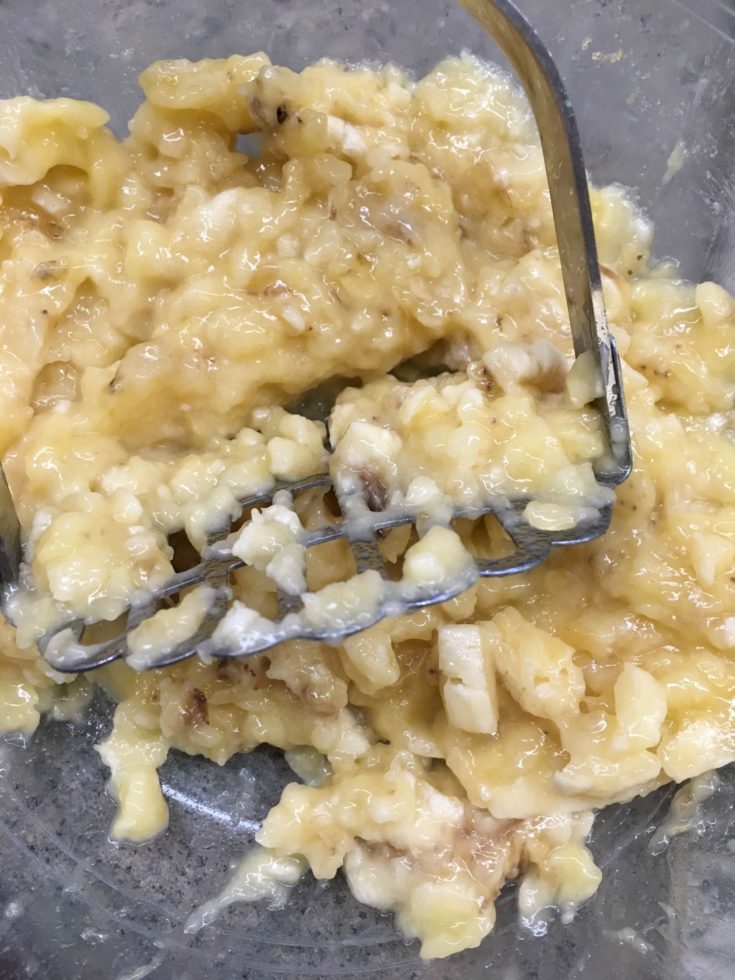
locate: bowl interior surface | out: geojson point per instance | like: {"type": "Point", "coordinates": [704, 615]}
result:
{"type": "Point", "coordinates": [653, 86]}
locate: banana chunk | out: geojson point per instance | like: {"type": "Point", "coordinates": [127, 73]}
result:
{"type": "Point", "coordinates": [468, 679]}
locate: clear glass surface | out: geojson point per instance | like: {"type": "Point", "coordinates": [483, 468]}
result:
{"type": "Point", "coordinates": [653, 85]}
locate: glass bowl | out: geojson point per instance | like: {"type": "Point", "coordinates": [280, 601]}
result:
{"type": "Point", "coordinates": [653, 85]}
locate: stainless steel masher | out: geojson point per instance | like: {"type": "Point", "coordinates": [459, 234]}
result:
{"type": "Point", "coordinates": [362, 526]}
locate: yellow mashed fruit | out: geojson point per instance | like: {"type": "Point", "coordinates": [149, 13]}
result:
{"type": "Point", "coordinates": [162, 299]}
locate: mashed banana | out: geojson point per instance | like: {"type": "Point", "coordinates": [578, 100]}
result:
{"type": "Point", "coordinates": [164, 296]}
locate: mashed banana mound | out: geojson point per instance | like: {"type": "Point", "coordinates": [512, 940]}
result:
{"type": "Point", "coordinates": [163, 297]}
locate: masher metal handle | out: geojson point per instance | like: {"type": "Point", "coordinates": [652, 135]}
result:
{"type": "Point", "coordinates": [570, 204]}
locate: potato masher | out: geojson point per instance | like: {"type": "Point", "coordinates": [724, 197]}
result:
{"type": "Point", "coordinates": [222, 630]}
